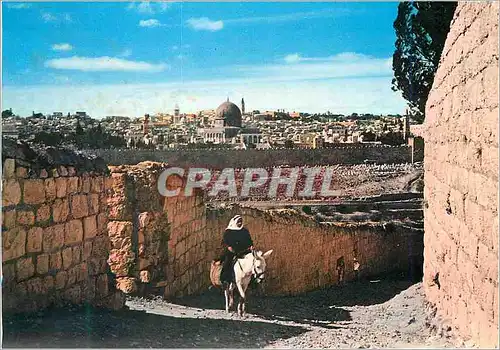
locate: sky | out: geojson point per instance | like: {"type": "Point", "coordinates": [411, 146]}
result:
{"type": "Point", "coordinates": [144, 57]}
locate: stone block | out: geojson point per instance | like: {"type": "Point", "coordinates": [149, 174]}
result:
{"type": "Point", "coordinates": [48, 284]}
{"type": "Point", "coordinates": [13, 243]}
{"type": "Point", "coordinates": [74, 232]}
{"type": "Point", "coordinates": [33, 191]}
{"type": "Point", "coordinates": [127, 285]}
{"type": "Point", "coordinates": [9, 168]}
{"type": "Point", "coordinates": [72, 185]}
{"type": "Point", "coordinates": [72, 275]}
{"type": "Point", "coordinates": [42, 264]}
{"type": "Point", "coordinates": [34, 241]}
{"type": "Point", "coordinates": [24, 268]}
{"type": "Point", "coordinates": [87, 250]}
{"type": "Point", "coordinates": [43, 174]}
{"type": "Point", "coordinates": [63, 171]}
{"type": "Point", "coordinates": [11, 192]}
{"type": "Point", "coordinates": [21, 172]}
{"type": "Point", "coordinates": [60, 210]}
{"type": "Point", "coordinates": [100, 247]}
{"type": "Point", "coordinates": [9, 219]}
{"type": "Point", "coordinates": [67, 256]}
{"type": "Point", "coordinates": [50, 189]}
{"type": "Point", "coordinates": [102, 223]}
{"type": "Point", "coordinates": [94, 203]}
{"type": "Point", "coordinates": [84, 184]}
{"type": "Point", "coordinates": [43, 213]}
{"type": "Point", "coordinates": [55, 261]}
{"type": "Point", "coordinates": [76, 254]}
{"type": "Point", "coordinates": [34, 286]}
{"type": "Point", "coordinates": [82, 272]}
{"type": "Point", "coordinates": [79, 206]}
{"type": "Point", "coordinates": [9, 275]}
{"type": "Point", "coordinates": [61, 187]}
{"type": "Point", "coordinates": [97, 184]}
{"type": "Point", "coordinates": [102, 285]}
{"type": "Point", "coordinates": [53, 237]}
{"type": "Point", "coordinates": [90, 226]}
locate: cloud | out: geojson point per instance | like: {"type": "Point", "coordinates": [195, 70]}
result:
{"type": "Point", "coordinates": [49, 17]}
{"type": "Point", "coordinates": [177, 47]}
{"type": "Point", "coordinates": [62, 47]}
{"type": "Point", "coordinates": [149, 8]}
{"type": "Point", "coordinates": [295, 16]}
{"type": "Point", "coordinates": [204, 23]}
{"type": "Point", "coordinates": [18, 6]}
{"type": "Point", "coordinates": [150, 23]}
{"type": "Point", "coordinates": [102, 64]}
{"type": "Point", "coordinates": [292, 58]}
{"type": "Point", "coordinates": [342, 65]}
{"type": "Point", "coordinates": [371, 95]}
{"type": "Point", "coordinates": [126, 53]}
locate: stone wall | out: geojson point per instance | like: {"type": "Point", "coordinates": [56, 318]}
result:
{"type": "Point", "coordinates": [157, 242]}
{"type": "Point", "coordinates": [461, 177]}
{"type": "Point", "coordinates": [220, 159]}
{"type": "Point", "coordinates": [54, 242]}
{"type": "Point", "coordinates": [165, 245]}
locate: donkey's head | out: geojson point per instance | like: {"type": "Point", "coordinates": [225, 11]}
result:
{"type": "Point", "coordinates": [259, 264]}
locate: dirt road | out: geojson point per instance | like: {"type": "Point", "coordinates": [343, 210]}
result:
{"type": "Point", "coordinates": [359, 315]}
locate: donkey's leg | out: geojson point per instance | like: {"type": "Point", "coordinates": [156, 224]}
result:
{"type": "Point", "coordinates": [226, 295]}
{"type": "Point", "coordinates": [241, 304]}
{"type": "Point", "coordinates": [231, 296]}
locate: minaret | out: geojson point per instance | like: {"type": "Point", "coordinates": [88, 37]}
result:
{"type": "Point", "coordinates": [242, 106]}
{"type": "Point", "coordinates": [145, 125]}
{"type": "Point", "coordinates": [406, 125]}
{"type": "Point", "coordinates": [176, 114]}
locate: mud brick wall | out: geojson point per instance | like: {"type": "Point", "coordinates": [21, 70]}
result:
{"type": "Point", "coordinates": [156, 241]}
{"type": "Point", "coordinates": [306, 254]}
{"type": "Point", "coordinates": [54, 242]}
{"type": "Point", "coordinates": [461, 177]}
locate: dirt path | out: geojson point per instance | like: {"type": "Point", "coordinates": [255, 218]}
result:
{"type": "Point", "coordinates": [359, 315]}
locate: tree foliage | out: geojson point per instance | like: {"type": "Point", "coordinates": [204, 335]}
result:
{"type": "Point", "coordinates": [421, 30]}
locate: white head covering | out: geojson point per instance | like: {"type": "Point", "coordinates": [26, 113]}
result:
{"type": "Point", "coordinates": [233, 223]}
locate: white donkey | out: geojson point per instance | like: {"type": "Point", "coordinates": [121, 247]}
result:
{"type": "Point", "coordinates": [251, 265]}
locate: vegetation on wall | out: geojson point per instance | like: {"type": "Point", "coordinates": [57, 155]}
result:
{"type": "Point", "coordinates": [421, 30]}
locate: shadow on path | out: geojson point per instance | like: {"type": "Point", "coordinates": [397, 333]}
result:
{"type": "Point", "coordinates": [87, 327]}
{"type": "Point", "coordinates": [319, 308]}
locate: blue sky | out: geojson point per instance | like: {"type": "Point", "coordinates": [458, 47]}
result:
{"type": "Point", "coordinates": [144, 57]}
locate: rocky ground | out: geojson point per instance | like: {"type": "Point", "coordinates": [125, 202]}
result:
{"type": "Point", "coordinates": [385, 313]}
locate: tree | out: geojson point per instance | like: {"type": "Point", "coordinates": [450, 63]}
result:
{"type": "Point", "coordinates": [7, 113]}
{"type": "Point", "coordinates": [421, 30]}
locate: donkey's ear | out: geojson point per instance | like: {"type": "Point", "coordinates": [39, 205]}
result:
{"type": "Point", "coordinates": [266, 254]}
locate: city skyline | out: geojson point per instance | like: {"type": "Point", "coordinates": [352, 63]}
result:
{"type": "Point", "coordinates": [137, 58]}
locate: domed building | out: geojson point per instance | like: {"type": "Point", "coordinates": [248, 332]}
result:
{"type": "Point", "coordinates": [230, 113]}
{"type": "Point", "coordinates": [226, 127]}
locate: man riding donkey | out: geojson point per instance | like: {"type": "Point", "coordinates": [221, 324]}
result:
{"type": "Point", "coordinates": [251, 265]}
{"type": "Point", "coordinates": [236, 241]}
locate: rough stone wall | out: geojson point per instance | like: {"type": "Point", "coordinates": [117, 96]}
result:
{"type": "Point", "coordinates": [308, 255]}
{"type": "Point", "coordinates": [220, 159]}
{"type": "Point", "coordinates": [54, 242]}
{"type": "Point", "coordinates": [157, 242]}
{"type": "Point", "coordinates": [461, 177]}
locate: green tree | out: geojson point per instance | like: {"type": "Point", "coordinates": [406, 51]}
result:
{"type": "Point", "coordinates": [421, 30]}
{"type": "Point", "coordinates": [7, 113]}
{"type": "Point", "coordinates": [289, 144]}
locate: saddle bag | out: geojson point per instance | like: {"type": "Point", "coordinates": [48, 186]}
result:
{"type": "Point", "coordinates": [215, 271]}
